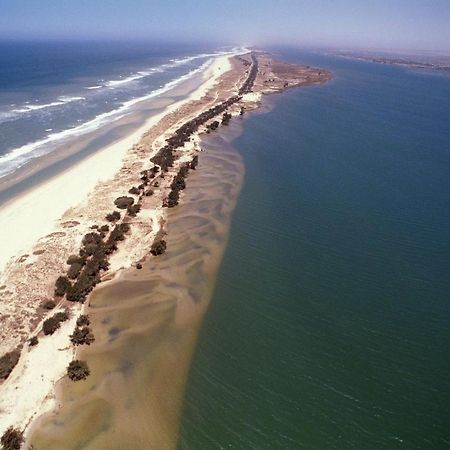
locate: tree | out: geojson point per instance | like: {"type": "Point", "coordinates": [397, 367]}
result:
{"type": "Point", "coordinates": [49, 304]}
{"type": "Point", "coordinates": [82, 336]}
{"type": "Point", "coordinates": [7, 363]}
{"type": "Point", "coordinates": [74, 270]}
{"type": "Point", "coordinates": [12, 439]}
{"type": "Point", "coordinates": [113, 217]}
{"type": "Point", "coordinates": [61, 286]}
{"type": "Point", "coordinates": [158, 247]}
{"type": "Point", "coordinates": [194, 163]}
{"type": "Point", "coordinates": [50, 325]}
{"type": "Point", "coordinates": [133, 210]}
{"type": "Point", "coordinates": [78, 370]}
{"type": "Point", "coordinates": [83, 320]}
{"type": "Point", "coordinates": [61, 316]}
{"type": "Point", "coordinates": [134, 190]}
{"type": "Point", "coordinates": [123, 202]}
{"type": "Point", "coordinates": [33, 341]}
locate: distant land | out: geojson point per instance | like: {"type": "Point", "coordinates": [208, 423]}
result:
{"type": "Point", "coordinates": [430, 61]}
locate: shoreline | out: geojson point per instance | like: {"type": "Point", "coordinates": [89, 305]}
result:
{"type": "Point", "coordinates": [38, 197]}
{"type": "Point", "coordinates": [138, 243]}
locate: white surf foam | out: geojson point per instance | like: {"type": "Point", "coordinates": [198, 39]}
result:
{"type": "Point", "coordinates": [17, 157]}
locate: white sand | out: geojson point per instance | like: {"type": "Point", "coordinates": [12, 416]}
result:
{"type": "Point", "coordinates": [29, 390]}
{"type": "Point", "coordinates": [34, 214]}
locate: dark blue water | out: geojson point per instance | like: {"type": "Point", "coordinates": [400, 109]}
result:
{"type": "Point", "coordinates": [330, 325]}
{"type": "Point", "coordinates": [51, 92]}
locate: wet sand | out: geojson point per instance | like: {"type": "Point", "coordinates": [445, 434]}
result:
{"type": "Point", "coordinates": [146, 323]}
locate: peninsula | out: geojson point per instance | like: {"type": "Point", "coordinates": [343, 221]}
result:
{"type": "Point", "coordinates": [111, 215]}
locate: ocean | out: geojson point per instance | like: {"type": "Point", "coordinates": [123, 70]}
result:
{"type": "Point", "coordinates": [330, 322]}
{"type": "Point", "coordinates": [51, 94]}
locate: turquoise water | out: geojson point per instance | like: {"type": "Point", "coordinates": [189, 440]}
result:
{"type": "Point", "coordinates": [329, 327]}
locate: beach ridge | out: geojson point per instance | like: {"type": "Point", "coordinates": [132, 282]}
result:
{"type": "Point", "coordinates": [233, 85]}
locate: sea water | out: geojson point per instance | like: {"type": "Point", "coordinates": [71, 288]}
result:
{"type": "Point", "coordinates": [330, 323]}
{"type": "Point", "coordinates": [52, 94]}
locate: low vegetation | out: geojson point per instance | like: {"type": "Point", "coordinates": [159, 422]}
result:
{"type": "Point", "coordinates": [83, 320]}
{"type": "Point", "coordinates": [158, 247]}
{"type": "Point", "coordinates": [7, 363]}
{"type": "Point", "coordinates": [82, 336]}
{"type": "Point", "coordinates": [113, 217]}
{"type": "Point", "coordinates": [123, 202]}
{"type": "Point", "coordinates": [62, 285]}
{"type": "Point", "coordinates": [49, 304]}
{"type": "Point", "coordinates": [12, 439]}
{"type": "Point", "coordinates": [53, 323]}
{"type": "Point", "coordinates": [78, 370]}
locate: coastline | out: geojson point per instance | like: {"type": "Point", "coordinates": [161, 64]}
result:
{"type": "Point", "coordinates": [64, 191]}
{"type": "Point", "coordinates": [153, 217]}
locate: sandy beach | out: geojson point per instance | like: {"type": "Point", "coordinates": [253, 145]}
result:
{"type": "Point", "coordinates": [67, 206]}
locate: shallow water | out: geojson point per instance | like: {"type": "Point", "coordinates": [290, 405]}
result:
{"type": "Point", "coordinates": [146, 324]}
{"type": "Point", "coordinates": [329, 326]}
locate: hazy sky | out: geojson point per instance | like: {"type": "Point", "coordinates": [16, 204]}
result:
{"type": "Point", "coordinates": [414, 24]}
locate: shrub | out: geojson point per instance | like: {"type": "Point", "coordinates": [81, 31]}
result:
{"type": "Point", "coordinates": [134, 190]}
{"type": "Point", "coordinates": [226, 118]}
{"type": "Point", "coordinates": [172, 199]}
{"type": "Point", "coordinates": [104, 228]}
{"type": "Point", "coordinates": [12, 439]}
{"type": "Point", "coordinates": [78, 370]}
{"type": "Point", "coordinates": [74, 271]}
{"type": "Point", "coordinates": [7, 363]}
{"type": "Point", "coordinates": [138, 266]}
{"type": "Point", "coordinates": [83, 320]}
{"type": "Point", "coordinates": [72, 259]}
{"type": "Point", "coordinates": [158, 247]}
{"type": "Point", "coordinates": [50, 325]}
{"type": "Point", "coordinates": [91, 239]}
{"type": "Point", "coordinates": [123, 202]}
{"type": "Point", "coordinates": [194, 162]}
{"type": "Point", "coordinates": [133, 210]}
{"type": "Point", "coordinates": [149, 193]}
{"type": "Point", "coordinates": [82, 336]}
{"type": "Point", "coordinates": [61, 286]}
{"type": "Point", "coordinates": [178, 183]}
{"type": "Point", "coordinates": [33, 341]}
{"type": "Point", "coordinates": [49, 304]}
{"type": "Point", "coordinates": [61, 316]}
{"type": "Point", "coordinates": [113, 217]}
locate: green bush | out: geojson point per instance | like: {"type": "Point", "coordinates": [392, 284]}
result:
{"type": "Point", "coordinates": [12, 439]}
{"type": "Point", "coordinates": [78, 370]}
{"type": "Point", "coordinates": [72, 259]}
{"type": "Point", "coordinates": [158, 247]}
{"type": "Point", "coordinates": [50, 325]}
{"type": "Point", "coordinates": [7, 363]}
{"type": "Point", "coordinates": [61, 316]}
{"type": "Point", "coordinates": [61, 286]}
{"type": "Point", "coordinates": [83, 320]}
{"type": "Point", "coordinates": [113, 217]}
{"type": "Point", "coordinates": [194, 163]}
{"type": "Point", "coordinates": [49, 304]}
{"type": "Point", "coordinates": [134, 191]}
{"type": "Point", "coordinates": [123, 202]}
{"type": "Point", "coordinates": [133, 210]}
{"type": "Point", "coordinates": [74, 271]}
{"type": "Point", "coordinates": [82, 336]}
